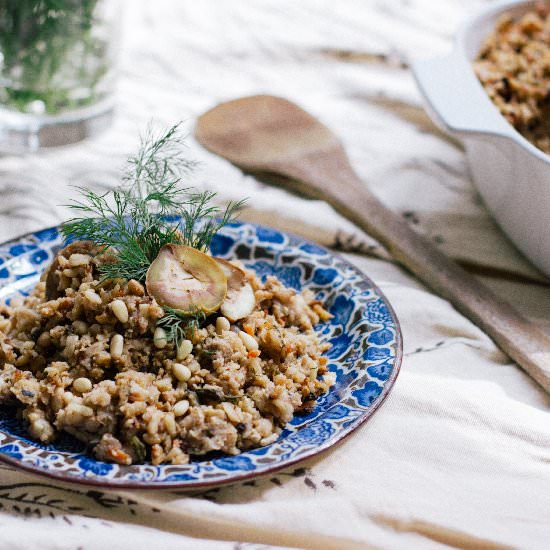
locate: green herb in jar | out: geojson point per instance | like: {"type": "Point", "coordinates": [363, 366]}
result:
{"type": "Point", "coordinates": [50, 55]}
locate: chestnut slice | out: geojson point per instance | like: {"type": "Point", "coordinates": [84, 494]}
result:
{"type": "Point", "coordinates": [240, 300]}
{"type": "Point", "coordinates": [186, 279]}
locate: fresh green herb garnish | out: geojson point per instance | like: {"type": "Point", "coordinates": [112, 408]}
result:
{"type": "Point", "coordinates": [201, 209]}
{"type": "Point", "coordinates": [178, 327]}
{"type": "Point", "coordinates": [159, 161]}
{"type": "Point", "coordinates": [137, 219]}
{"type": "Point", "coordinates": [139, 448]}
{"type": "Point", "coordinates": [127, 225]}
{"type": "Point", "coordinates": [46, 46]}
{"type": "Point", "coordinates": [149, 210]}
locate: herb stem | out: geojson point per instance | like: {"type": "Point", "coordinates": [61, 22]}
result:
{"type": "Point", "coordinates": [149, 210]}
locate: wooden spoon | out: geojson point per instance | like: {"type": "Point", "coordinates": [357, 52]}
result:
{"type": "Point", "coordinates": [272, 135]}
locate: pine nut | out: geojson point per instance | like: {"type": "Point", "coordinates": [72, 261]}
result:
{"type": "Point", "coordinates": [153, 424]}
{"type": "Point", "coordinates": [170, 424]}
{"type": "Point", "coordinates": [76, 260]}
{"type": "Point", "coordinates": [82, 385]}
{"type": "Point", "coordinates": [222, 324]}
{"type": "Point", "coordinates": [249, 342]}
{"type": "Point", "coordinates": [181, 407]}
{"type": "Point", "coordinates": [184, 349]}
{"type": "Point", "coordinates": [159, 338]}
{"type": "Point", "coordinates": [117, 346]}
{"type": "Point", "coordinates": [120, 310]}
{"type": "Point", "coordinates": [92, 297]}
{"type": "Point", "coordinates": [181, 372]}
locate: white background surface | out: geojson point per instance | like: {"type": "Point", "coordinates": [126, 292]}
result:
{"type": "Point", "coordinates": [459, 455]}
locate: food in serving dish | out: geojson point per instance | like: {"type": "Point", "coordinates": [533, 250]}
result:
{"type": "Point", "coordinates": [514, 68]}
{"type": "Point", "coordinates": [510, 173]}
{"type": "Point", "coordinates": [144, 346]}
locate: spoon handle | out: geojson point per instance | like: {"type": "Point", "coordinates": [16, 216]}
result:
{"type": "Point", "coordinates": [518, 337]}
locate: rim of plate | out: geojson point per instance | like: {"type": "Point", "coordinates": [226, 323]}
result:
{"type": "Point", "coordinates": [342, 435]}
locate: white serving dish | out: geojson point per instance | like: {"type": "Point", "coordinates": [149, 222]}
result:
{"type": "Point", "coordinates": [511, 174]}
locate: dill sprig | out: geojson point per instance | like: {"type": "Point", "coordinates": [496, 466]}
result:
{"type": "Point", "coordinates": [125, 227]}
{"type": "Point", "coordinates": [137, 219]}
{"type": "Point", "coordinates": [149, 210]}
{"type": "Point", "coordinates": [159, 162]}
{"type": "Point", "coordinates": [178, 326]}
{"type": "Point", "coordinates": [201, 220]}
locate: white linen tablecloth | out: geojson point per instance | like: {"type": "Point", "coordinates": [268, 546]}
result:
{"type": "Point", "coordinates": [459, 455]}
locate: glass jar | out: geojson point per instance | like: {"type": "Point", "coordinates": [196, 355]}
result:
{"type": "Point", "coordinates": [57, 70]}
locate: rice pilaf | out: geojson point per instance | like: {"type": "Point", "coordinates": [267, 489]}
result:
{"type": "Point", "coordinates": [86, 356]}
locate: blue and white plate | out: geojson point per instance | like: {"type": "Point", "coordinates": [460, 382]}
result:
{"type": "Point", "coordinates": [366, 356]}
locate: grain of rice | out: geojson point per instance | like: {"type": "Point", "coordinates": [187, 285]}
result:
{"type": "Point", "coordinates": [117, 345]}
